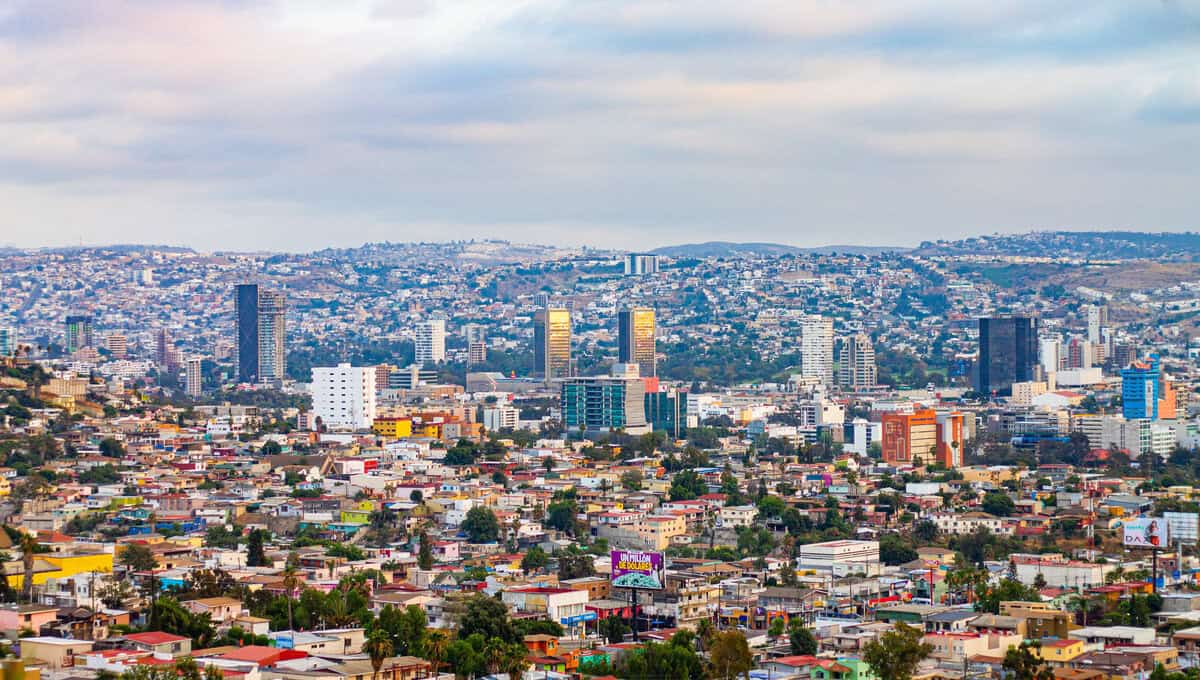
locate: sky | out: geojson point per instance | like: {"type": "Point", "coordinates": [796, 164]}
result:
{"type": "Point", "coordinates": [300, 124]}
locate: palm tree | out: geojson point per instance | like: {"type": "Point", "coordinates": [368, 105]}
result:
{"type": "Point", "coordinates": [379, 647]}
{"type": "Point", "coordinates": [705, 630]}
{"type": "Point", "coordinates": [516, 661]}
{"type": "Point", "coordinates": [495, 651]}
{"type": "Point", "coordinates": [291, 582]}
{"type": "Point", "coordinates": [435, 648]}
{"type": "Point", "coordinates": [29, 546]}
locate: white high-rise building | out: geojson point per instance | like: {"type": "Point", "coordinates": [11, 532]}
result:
{"type": "Point", "coordinates": [193, 377]}
{"type": "Point", "coordinates": [857, 368]}
{"type": "Point", "coordinates": [344, 396]}
{"type": "Point", "coordinates": [1097, 318]}
{"type": "Point", "coordinates": [816, 349]}
{"type": "Point", "coordinates": [501, 418]}
{"type": "Point", "coordinates": [1050, 355]}
{"type": "Point", "coordinates": [431, 341]}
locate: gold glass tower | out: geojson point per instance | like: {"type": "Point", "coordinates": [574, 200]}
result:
{"type": "Point", "coordinates": [552, 343]}
{"type": "Point", "coordinates": [635, 339]}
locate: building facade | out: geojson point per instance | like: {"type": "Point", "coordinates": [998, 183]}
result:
{"type": "Point", "coordinates": [552, 343]}
{"type": "Point", "coordinates": [857, 370]}
{"type": "Point", "coordinates": [430, 342]}
{"type": "Point", "coordinates": [816, 349]}
{"type": "Point", "coordinates": [635, 339]}
{"type": "Point", "coordinates": [604, 403]}
{"type": "Point", "coordinates": [1008, 353]}
{"type": "Point", "coordinates": [80, 333]}
{"type": "Point", "coordinates": [344, 396]}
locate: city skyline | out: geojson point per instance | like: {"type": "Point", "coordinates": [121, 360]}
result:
{"type": "Point", "coordinates": [246, 125]}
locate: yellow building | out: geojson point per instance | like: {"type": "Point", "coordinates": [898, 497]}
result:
{"type": "Point", "coordinates": [1058, 652]}
{"type": "Point", "coordinates": [656, 531]}
{"type": "Point", "coordinates": [65, 565]}
{"type": "Point", "coordinates": [394, 428]}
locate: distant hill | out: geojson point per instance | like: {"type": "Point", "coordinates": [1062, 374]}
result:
{"type": "Point", "coordinates": [730, 249]}
{"type": "Point", "coordinates": [1094, 245]}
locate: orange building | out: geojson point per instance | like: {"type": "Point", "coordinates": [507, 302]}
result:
{"type": "Point", "coordinates": [1166, 399]}
{"type": "Point", "coordinates": [909, 437]}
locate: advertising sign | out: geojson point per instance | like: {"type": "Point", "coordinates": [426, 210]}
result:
{"type": "Point", "coordinates": [637, 569]}
{"type": "Point", "coordinates": [1146, 532]}
{"type": "Point", "coordinates": [1184, 526]}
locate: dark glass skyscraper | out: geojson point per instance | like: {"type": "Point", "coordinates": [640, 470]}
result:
{"type": "Point", "coordinates": [1008, 353]}
{"type": "Point", "coordinates": [247, 332]}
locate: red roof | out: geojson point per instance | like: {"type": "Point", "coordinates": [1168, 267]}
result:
{"type": "Point", "coordinates": [263, 656]}
{"type": "Point", "coordinates": [154, 638]}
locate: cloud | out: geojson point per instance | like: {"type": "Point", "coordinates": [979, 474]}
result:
{"type": "Point", "coordinates": [301, 124]}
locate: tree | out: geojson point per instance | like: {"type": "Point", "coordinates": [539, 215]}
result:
{"type": "Point", "coordinates": [111, 448]}
{"type": "Point", "coordinates": [487, 617]}
{"type": "Point", "coordinates": [379, 648]}
{"type": "Point", "coordinates": [481, 525]}
{"type": "Point", "coordinates": [218, 536]}
{"type": "Point", "coordinates": [730, 656]}
{"type": "Point", "coordinates": [271, 448]}
{"type": "Point", "coordinates": [613, 629]}
{"type": "Point", "coordinates": [255, 555]}
{"type": "Point", "coordinates": [895, 654]}
{"type": "Point", "coordinates": [291, 583]}
{"type": "Point", "coordinates": [425, 553]}
{"type": "Point", "coordinates": [687, 485]}
{"type": "Point", "coordinates": [894, 550]}
{"type": "Point", "coordinates": [29, 547]}
{"type": "Point", "coordinates": [435, 648]}
{"type": "Point", "coordinates": [562, 515]}
{"type": "Point", "coordinates": [137, 557]}
{"type": "Point", "coordinates": [1022, 664]}
{"type": "Point", "coordinates": [670, 661]}
{"type": "Point", "coordinates": [209, 583]}
{"type": "Point", "coordinates": [801, 638]}
{"type": "Point", "coordinates": [925, 531]}
{"type": "Point", "coordinates": [631, 480]}
{"type": "Point", "coordinates": [575, 566]}
{"type": "Point", "coordinates": [776, 628]}
{"type": "Point", "coordinates": [534, 560]}
{"type": "Point", "coordinates": [407, 628]}
{"type": "Point", "coordinates": [998, 503]}
{"type": "Point", "coordinates": [1008, 590]}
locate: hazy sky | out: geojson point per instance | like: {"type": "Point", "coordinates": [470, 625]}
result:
{"type": "Point", "coordinates": [297, 124]}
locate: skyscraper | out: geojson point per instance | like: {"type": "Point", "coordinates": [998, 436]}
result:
{"type": "Point", "coordinates": [247, 333]}
{"type": "Point", "coordinates": [1008, 353]}
{"type": "Point", "coordinates": [79, 333]}
{"type": "Point", "coordinates": [117, 345]}
{"type": "Point", "coordinates": [261, 334]}
{"type": "Point", "coordinates": [1097, 319]}
{"type": "Point", "coordinates": [272, 336]}
{"type": "Point", "coordinates": [816, 349]}
{"type": "Point", "coordinates": [430, 341]}
{"type": "Point", "coordinates": [162, 348]}
{"type": "Point", "coordinates": [1140, 389]}
{"type": "Point", "coordinates": [635, 339]}
{"type": "Point", "coordinates": [857, 369]}
{"type": "Point", "coordinates": [638, 264]}
{"type": "Point", "coordinates": [552, 343]}
{"type": "Point", "coordinates": [193, 377]}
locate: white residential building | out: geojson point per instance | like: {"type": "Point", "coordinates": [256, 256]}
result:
{"type": "Point", "coordinates": [194, 377]}
{"type": "Point", "coordinates": [816, 349]}
{"type": "Point", "coordinates": [344, 396]}
{"type": "Point", "coordinates": [501, 417]}
{"type": "Point", "coordinates": [430, 342]}
{"type": "Point", "coordinates": [841, 557]}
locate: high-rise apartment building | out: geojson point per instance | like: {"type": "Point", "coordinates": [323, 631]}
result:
{"type": "Point", "coordinates": [1008, 353]}
{"type": "Point", "coordinates": [261, 334]}
{"type": "Point", "coordinates": [552, 343]}
{"type": "Point", "coordinates": [857, 370]}
{"type": "Point", "coordinates": [476, 352]}
{"type": "Point", "coordinates": [8, 341]}
{"type": "Point", "coordinates": [1140, 384]}
{"type": "Point", "coordinates": [1097, 319]}
{"type": "Point", "coordinates": [194, 377]}
{"type": "Point", "coordinates": [117, 345]}
{"type": "Point", "coordinates": [162, 348]}
{"type": "Point", "coordinates": [816, 349]}
{"type": "Point", "coordinates": [79, 333]}
{"type": "Point", "coordinates": [344, 396]}
{"type": "Point", "coordinates": [635, 340]}
{"type": "Point", "coordinates": [430, 341]}
{"type": "Point", "coordinates": [473, 332]}
{"type": "Point", "coordinates": [639, 264]}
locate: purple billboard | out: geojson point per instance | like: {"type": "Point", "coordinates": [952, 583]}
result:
{"type": "Point", "coordinates": [637, 569]}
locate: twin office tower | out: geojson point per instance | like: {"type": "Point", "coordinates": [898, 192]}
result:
{"type": "Point", "coordinates": [552, 342]}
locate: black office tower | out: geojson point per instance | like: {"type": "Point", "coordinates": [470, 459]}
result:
{"type": "Point", "coordinates": [1008, 353]}
{"type": "Point", "coordinates": [247, 332]}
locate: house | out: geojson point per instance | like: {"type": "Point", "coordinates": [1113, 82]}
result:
{"type": "Point", "coordinates": [56, 653]}
{"type": "Point", "coordinates": [16, 618]}
{"type": "Point", "coordinates": [160, 643]}
{"type": "Point", "coordinates": [1058, 652]}
{"type": "Point", "coordinates": [847, 668]}
{"type": "Point", "coordinates": [221, 610]}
